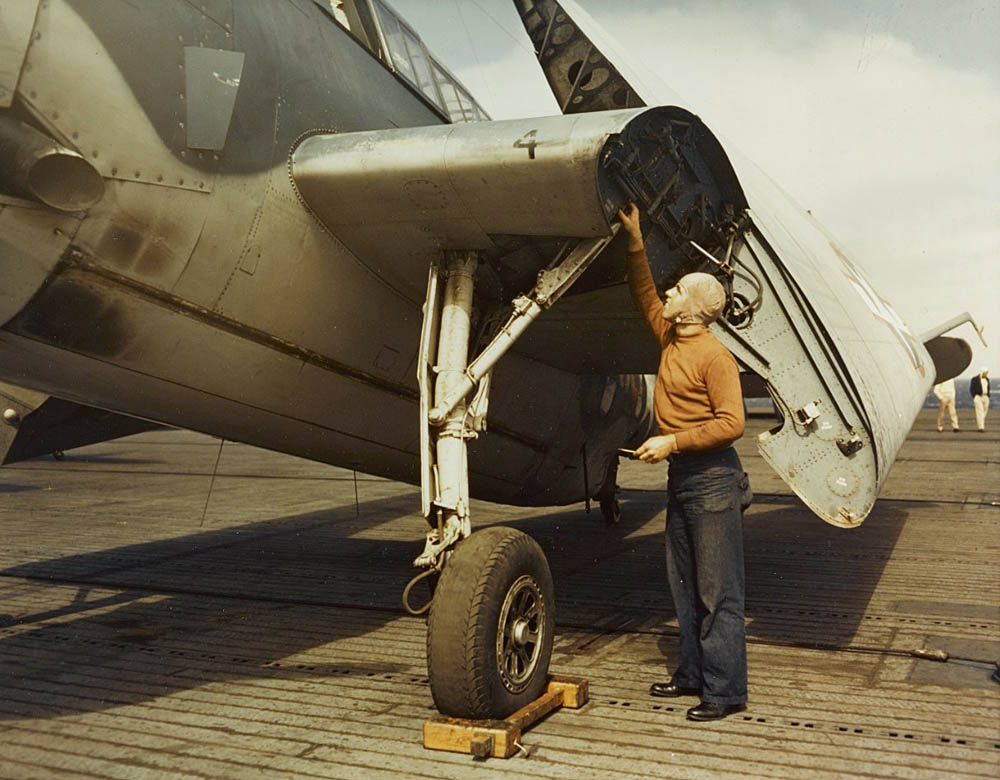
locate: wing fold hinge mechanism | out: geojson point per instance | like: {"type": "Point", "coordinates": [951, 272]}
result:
{"type": "Point", "coordinates": [447, 378]}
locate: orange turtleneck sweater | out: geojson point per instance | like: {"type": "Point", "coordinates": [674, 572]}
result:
{"type": "Point", "coordinates": [697, 396]}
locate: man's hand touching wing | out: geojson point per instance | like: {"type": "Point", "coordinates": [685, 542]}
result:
{"type": "Point", "coordinates": [630, 222]}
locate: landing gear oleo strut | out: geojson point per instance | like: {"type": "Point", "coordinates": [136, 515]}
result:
{"type": "Point", "coordinates": [492, 616]}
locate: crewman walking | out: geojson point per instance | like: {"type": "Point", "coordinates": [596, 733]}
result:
{"type": "Point", "coordinates": [980, 390]}
{"type": "Point", "coordinates": [945, 393]}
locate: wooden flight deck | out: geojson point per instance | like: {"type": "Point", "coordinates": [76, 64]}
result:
{"type": "Point", "coordinates": [151, 629]}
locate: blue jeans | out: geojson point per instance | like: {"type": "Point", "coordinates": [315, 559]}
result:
{"type": "Point", "coordinates": [705, 569]}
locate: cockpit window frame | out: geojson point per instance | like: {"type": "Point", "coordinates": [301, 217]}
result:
{"type": "Point", "coordinates": [400, 48]}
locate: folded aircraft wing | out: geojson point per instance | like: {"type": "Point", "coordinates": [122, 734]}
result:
{"type": "Point", "coordinates": [844, 368]}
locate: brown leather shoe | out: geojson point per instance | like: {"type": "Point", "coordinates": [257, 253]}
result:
{"type": "Point", "coordinates": [710, 710]}
{"type": "Point", "coordinates": [669, 690]}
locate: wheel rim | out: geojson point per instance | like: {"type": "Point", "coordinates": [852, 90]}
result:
{"type": "Point", "coordinates": [520, 633]}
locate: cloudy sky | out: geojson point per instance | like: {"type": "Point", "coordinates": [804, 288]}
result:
{"type": "Point", "coordinates": [881, 116]}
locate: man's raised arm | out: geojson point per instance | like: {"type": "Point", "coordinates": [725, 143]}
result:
{"type": "Point", "coordinates": [640, 280]}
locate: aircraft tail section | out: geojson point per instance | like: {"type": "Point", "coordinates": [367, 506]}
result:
{"type": "Point", "coordinates": [951, 355]}
{"type": "Point", "coordinates": [36, 424]}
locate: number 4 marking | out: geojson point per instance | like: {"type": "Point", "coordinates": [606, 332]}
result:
{"type": "Point", "coordinates": [527, 141]}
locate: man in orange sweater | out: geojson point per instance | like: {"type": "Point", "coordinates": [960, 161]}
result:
{"type": "Point", "coordinates": [699, 411]}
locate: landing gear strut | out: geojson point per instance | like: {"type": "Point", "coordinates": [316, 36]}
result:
{"type": "Point", "coordinates": [492, 617]}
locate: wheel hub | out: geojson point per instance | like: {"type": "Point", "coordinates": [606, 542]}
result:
{"type": "Point", "coordinates": [519, 633]}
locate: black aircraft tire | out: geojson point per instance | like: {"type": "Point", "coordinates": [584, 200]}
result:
{"type": "Point", "coordinates": [497, 573]}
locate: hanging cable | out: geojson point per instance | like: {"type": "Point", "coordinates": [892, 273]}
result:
{"type": "Point", "coordinates": [503, 29]}
{"type": "Point", "coordinates": [211, 484]}
{"type": "Point", "coordinates": [475, 54]}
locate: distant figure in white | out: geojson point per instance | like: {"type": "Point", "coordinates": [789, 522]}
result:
{"type": "Point", "coordinates": [980, 390]}
{"type": "Point", "coordinates": [945, 393]}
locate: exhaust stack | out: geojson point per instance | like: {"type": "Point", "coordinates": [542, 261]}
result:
{"type": "Point", "coordinates": [33, 164]}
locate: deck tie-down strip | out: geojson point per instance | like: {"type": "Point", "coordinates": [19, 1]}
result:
{"type": "Point", "coordinates": [822, 726]}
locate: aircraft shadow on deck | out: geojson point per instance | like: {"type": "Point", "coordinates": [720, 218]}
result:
{"type": "Point", "coordinates": [809, 583]}
{"type": "Point", "coordinates": [250, 595]}
{"type": "Point", "coordinates": [242, 599]}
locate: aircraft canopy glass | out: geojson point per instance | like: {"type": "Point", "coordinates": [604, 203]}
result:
{"type": "Point", "coordinates": [378, 25]}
